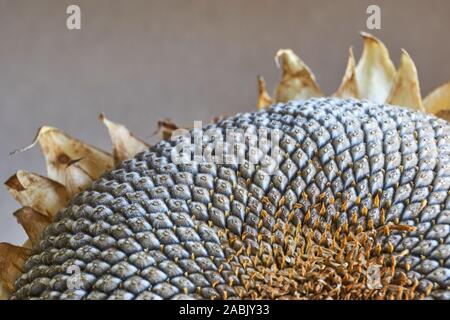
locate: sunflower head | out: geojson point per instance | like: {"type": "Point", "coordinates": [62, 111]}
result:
{"type": "Point", "coordinates": [73, 165]}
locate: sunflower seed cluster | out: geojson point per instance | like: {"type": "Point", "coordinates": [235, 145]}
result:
{"type": "Point", "coordinates": [152, 229]}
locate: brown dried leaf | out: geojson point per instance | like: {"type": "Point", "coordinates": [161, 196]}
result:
{"type": "Point", "coordinates": [77, 176]}
{"type": "Point", "coordinates": [375, 71]}
{"type": "Point", "coordinates": [217, 119]}
{"type": "Point", "coordinates": [125, 144]}
{"type": "Point", "coordinates": [12, 259]}
{"type": "Point", "coordinates": [438, 102]}
{"type": "Point", "coordinates": [32, 222]}
{"type": "Point", "coordinates": [264, 99]}
{"type": "Point", "coordinates": [349, 85]}
{"type": "Point", "coordinates": [42, 194]}
{"type": "Point", "coordinates": [60, 149]}
{"type": "Point", "coordinates": [4, 294]}
{"type": "Point", "coordinates": [297, 80]}
{"type": "Point", "coordinates": [165, 128]}
{"type": "Point", "coordinates": [406, 90]}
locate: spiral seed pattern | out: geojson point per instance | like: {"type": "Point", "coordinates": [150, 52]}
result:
{"type": "Point", "coordinates": [152, 229]}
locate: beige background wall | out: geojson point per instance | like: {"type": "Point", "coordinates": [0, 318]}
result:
{"type": "Point", "coordinates": [141, 61]}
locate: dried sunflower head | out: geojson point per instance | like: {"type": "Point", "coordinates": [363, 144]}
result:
{"type": "Point", "coordinates": [348, 261]}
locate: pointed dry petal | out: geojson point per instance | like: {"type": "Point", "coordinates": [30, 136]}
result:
{"type": "Point", "coordinates": [32, 222]}
{"type": "Point", "coordinates": [349, 86]}
{"type": "Point", "coordinates": [125, 144]}
{"type": "Point", "coordinates": [406, 90]}
{"type": "Point", "coordinates": [297, 80]}
{"type": "Point", "coordinates": [375, 71]}
{"type": "Point", "coordinates": [77, 177]}
{"type": "Point", "coordinates": [438, 102]}
{"type": "Point", "coordinates": [60, 149]}
{"type": "Point", "coordinates": [12, 259]}
{"type": "Point", "coordinates": [217, 119]}
{"type": "Point", "coordinates": [165, 128]}
{"type": "Point", "coordinates": [264, 99]}
{"type": "Point", "coordinates": [42, 194]}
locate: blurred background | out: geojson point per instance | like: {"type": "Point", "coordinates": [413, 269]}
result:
{"type": "Point", "coordinates": [143, 61]}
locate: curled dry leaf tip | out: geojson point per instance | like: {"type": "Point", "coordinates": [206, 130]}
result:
{"type": "Point", "coordinates": [375, 71]}
{"type": "Point", "coordinates": [349, 85]}
{"type": "Point", "coordinates": [60, 149]}
{"type": "Point", "coordinates": [165, 127]}
{"type": "Point", "coordinates": [40, 193]}
{"type": "Point", "coordinates": [405, 90]}
{"type": "Point", "coordinates": [438, 102]}
{"type": "Point", "coordinates": [297, 80]}
{"type": "Point", "coordinates": [125, 144]}
{"type": "Point", "coordinates": [32, 222]}
{"type": "Point", "coordinates": [264, 99]}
